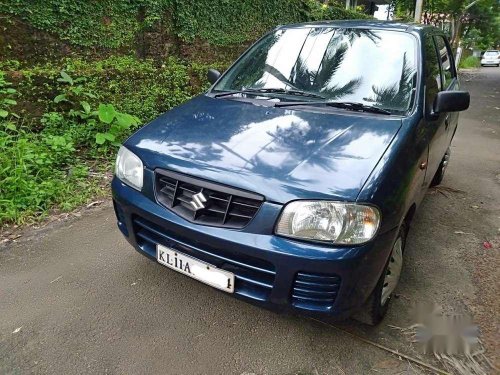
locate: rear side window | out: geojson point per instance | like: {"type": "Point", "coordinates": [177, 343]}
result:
{"type": "Point", "coordinates": [447, 66]}
{"type": "Point", "coordinates": [432, 72]}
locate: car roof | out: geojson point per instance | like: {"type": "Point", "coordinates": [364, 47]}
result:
{"type": "Point", "coordinates": [364, 24]}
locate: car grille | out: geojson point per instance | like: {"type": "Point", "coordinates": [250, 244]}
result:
{"type": "Point", "coordinates": [254, 278]}
{"type": "Point", "coordinates": [220, 206]}
{"type": "Point", "coordinates": [315, 291]}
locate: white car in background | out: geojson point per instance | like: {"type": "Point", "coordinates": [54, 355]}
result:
{"type": "Point", "coordinates": [491, 57]}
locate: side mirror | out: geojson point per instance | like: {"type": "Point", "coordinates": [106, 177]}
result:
{"type": "Point", "coordinates": [451, 101]}
{"type": "Point", "coordinates": [213, 75]}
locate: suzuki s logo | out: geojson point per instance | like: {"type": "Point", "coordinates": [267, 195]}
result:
{"type": "Point", "coordinates": [198, 200]}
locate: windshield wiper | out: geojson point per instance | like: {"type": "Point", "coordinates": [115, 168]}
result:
{"type": "Point", "coordinates": [353, 106]}
{"type": "Point", "coordinates": [270, 91]}
{"type": "Point", "coordinates": [227, 93]}
{"type": "Point", "coordinates": [289, 92]}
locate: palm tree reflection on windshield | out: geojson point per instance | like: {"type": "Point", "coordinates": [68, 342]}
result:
{"type": "Point", "coordinates": [318, 81]}
{"type": "Point", "coordinates": [397, 96]}
{"type": "Point", "coordinates": [322, 80]}
{"type": "Point", "coordinates": [353, 34]}
{"type": "Point", "coordinates": [251, 69]}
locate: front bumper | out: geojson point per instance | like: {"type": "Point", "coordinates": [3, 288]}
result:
{"type": "Point", "coordinates": [270, 271]}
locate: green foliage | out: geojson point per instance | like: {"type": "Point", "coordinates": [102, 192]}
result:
{"type": "Point", "coordinates": [470, 62]}
{"type": "Point", "coordinates": [75, 91]}
{"type": "Point", "coordinates": [43, 168]}
{"type": "Point", "coordinates": [118, 124]}
{"type": "Point", "coordinates": [106, 23]}
{"type": "Point", "coordinates": [482, 18]}
{"type": "Point", "coordinates": [117, 23]}
{"type": "Point", "coordinates": [9, 65]}
{"type": "Point", "coordinates": [6, 97]}
{"type": "Point", "coordinates": [38, 171]}
{"type": "Point", "coordinates": [485, 20]}
{"type": "Point", "coordinates": [111, 125]}
{"type": "Point", "coordinates": [222, 22]}
{"type": "Point", "coordinates": [336, 11]}
{"type": "Point", "coordinates": [46, 153]}
{"type": "Point", "coordinates": [141, 87]}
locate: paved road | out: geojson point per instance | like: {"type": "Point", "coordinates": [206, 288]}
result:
{"type": "Point", "coordinates": [78, 299]}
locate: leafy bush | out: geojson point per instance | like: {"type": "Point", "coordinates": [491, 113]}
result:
{"type": "Point", "coordinates": [140, 87]}
{"type": "Point", "coordinates": [42, 169]}
{"type": "Point", "coordinates": [106, 23]}
{"type": "Point", "coordinates": [73, 114]}
{"type": "Point", "coordinates": [117, 23]}
{"type": "Point", "coordinates": [38, 171]}
{"type": "Point", "coordinates": [118, 124]}
{"type": "Point", "coordinates": [470, 62]}
{"type": "Point", "coordinates": [75, 90]}
{"type": "Point", "coordinates": [333, 12]}
{"type": "Point", "coordinates": [6, 97]}
{"type": "Point", "coordinates": [225, 23]}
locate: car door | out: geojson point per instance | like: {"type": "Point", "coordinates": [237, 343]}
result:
{"type": "Point", "coordinates": [436, 128]}
{"type": "Point", "coordinates": [449, 81]}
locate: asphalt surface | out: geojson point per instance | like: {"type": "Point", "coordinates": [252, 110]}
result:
{"type": "Point", "coordinates": [78, 299]}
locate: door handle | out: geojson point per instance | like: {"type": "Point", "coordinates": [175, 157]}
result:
{"type": "Point", "coordinates": [423, 165]}
{"type": "Point", "coordinates": [447, 121]}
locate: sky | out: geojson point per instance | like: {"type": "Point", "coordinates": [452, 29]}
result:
{"type": "Point", "coordinates": [381, 13]}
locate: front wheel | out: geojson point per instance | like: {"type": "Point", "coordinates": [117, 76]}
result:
{"type": "Point", "coordinates": [377, 304]}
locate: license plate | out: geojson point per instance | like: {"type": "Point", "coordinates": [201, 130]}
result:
{"type": "Point", "coordinates": [196, 269]}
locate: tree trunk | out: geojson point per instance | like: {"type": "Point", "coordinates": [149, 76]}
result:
{"type": "Point", "coordinates": [456, 26]}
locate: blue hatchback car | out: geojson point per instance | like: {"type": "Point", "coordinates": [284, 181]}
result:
{"type": "Point", "coordinates": [292, 182]}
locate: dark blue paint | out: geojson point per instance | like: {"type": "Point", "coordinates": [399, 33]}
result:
{"type": "Point", "coordinates": [288, 154]}
{"type": "Point", "coordinates": [282, 154]}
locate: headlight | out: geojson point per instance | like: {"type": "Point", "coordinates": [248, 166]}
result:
{"type": "Point", "coordinates": [326, 221]}
{"type": "Point", "coordinates": [129, 168]}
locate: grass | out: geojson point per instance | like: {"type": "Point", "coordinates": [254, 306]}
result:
{"type": "Point", "coordinates": [470, 62]}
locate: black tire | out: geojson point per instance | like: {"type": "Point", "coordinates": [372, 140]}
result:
{"type": "Point", "coordinates": [373, 311]}
{"type": "Point", "coordinates": [439, 176]}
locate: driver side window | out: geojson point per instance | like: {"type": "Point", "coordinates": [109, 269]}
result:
{"type": "Point", "coordinates": [446, 57]}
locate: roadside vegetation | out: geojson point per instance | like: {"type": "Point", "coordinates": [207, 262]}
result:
{"type": "Point", "coordinates": [77, 78]}
{"type": "Point", "coordinates": [470, 62]}
{"type": "Point", "coordinates": [60, 125]}
{"type": "Point", "coordinates": [474, 23]}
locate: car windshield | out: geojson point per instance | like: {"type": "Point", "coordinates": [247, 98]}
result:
{"type": "Point", "coordinates": [372, 67]}
{"type": "Point", "coordinates": [491, 54]}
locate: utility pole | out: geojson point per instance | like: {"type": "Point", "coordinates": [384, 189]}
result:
{"type": "Point", "coordinates": [418, 10]}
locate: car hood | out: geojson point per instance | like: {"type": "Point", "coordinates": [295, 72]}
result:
{"type": "Point", "coordinates": [283, 154]}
